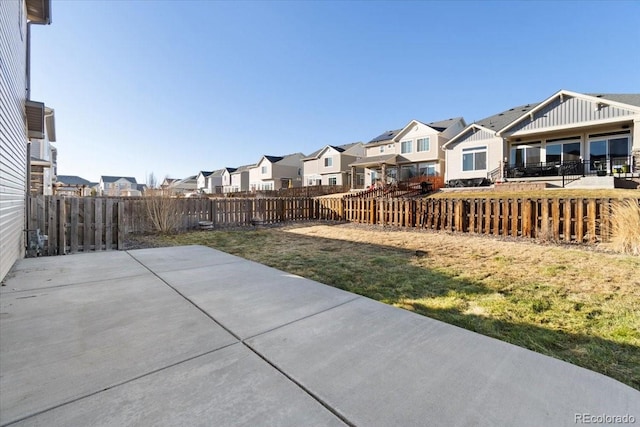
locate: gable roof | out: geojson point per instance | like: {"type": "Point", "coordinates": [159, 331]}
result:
{"type": "Point", "coordinates": [439, 126]}
{"type": "Point", "coordinates": [443, 125]}
{"type": "Point", "coordinates": [612, 99]}
{"type": "Point", "coordinates": [495, 122]}
{"type": "Point", "coordinates": [273, 159]}
{"type": "Point", "coordinates": [106, 178]}
{"type": "Point", "coordinates": [388, 135]}
{"type": "Point", "coordinates": [72, 180]}
{"type": "Point", "coordinates": [339, 148]}
{"type": "Point", "coordinates": [205, 173]}
{"type": "Point", "coordinates": [243, 168]}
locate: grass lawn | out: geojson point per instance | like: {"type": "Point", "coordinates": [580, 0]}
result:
{"type": "Point", "coordinates": [578, 305]}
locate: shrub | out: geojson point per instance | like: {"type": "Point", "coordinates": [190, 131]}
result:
{"type": "Point", "coordinates": [625, 226]}
{"type": "Point", "coordinates": [162, 211]}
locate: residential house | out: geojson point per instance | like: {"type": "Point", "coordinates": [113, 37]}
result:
{"type": "Point", "coordinates": [71, 185]}
{"type": "Point", "coordinates": [276, 172]}
{"type": "Point", "coordinates": [203, 182]}
{"type": "Point", "coordinates": [330, 165]}
{"type": "Point", "coordinates": [412, 153]}
{"type": "Point", "coordinates": [43, 158]}
{"type": "Point", "coordinates": [184, 187]}
{"type": "Point", "coordinates": [21, 118]}
{"type": "Point", "coordinates": [225, 178]}
{"type": "Point", "coordinates": [118, 186]}
{"type": "Point", "coordinates": [166, 183]}
{"type": "Point", "coordinates": [238, 180]}
{"type": "Point", "coordinates": [568, 133]}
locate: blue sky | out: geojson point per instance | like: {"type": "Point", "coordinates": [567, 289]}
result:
{"type": "Point", "coordinates": [175, 87]}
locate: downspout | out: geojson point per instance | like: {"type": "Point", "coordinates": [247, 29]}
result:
{"type": "Point", "coordinates": [27, 209]}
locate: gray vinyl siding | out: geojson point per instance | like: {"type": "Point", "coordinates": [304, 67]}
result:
{"type": "Point", "coordinates": [13, 146]}
{"type": "Point", "coordinates": [480, 135]}
{"type": "Point", "coordinates": [570, 111]}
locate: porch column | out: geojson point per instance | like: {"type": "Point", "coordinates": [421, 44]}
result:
{"type": "Point", "coordinates": [384, 174]}
{"type": "Point", "coordinates": [353, 177]}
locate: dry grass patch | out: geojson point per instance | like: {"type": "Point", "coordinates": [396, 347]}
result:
{"type": "Point", "coordinates": [625, 227]}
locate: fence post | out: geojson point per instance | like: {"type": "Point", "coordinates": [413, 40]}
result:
{"type": "Point", "coordinates": [121, 225]}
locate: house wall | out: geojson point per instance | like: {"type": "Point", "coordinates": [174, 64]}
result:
{"type": "Point", "coordinates": [420, 131]}
{"type": "Point", "coordinates": [13, 149]}
{"type": "Point", "coordinates": [239, 181]}
{"type": "Point", "coordinates": [292, 172]}
{"type": "Point", "coordinates": [201, 183]}
{"type": "Point", "coordinates": [310, 170]}
{"type": "Point", "coordinates": [389, 148]}
{"type": "Point", "coordinates": [453, 155]}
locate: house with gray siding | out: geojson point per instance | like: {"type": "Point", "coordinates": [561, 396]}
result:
{"type": "Point", "coordinates": [238, 180]}
{"type": "Point", "coordinates": [118, 186]}
{"type": "Point", "coordinates": [21, 119]}
{"type": "Point", "coordinates": [276, 172]}
{"type": "Point", "coordinates": [567, 133]}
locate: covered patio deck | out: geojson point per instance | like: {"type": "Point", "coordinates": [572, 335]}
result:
{"type": "Point", "coordinates": [193, 336]}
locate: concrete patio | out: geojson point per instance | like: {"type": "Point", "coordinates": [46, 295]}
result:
{"type": "Point", "coordinates": [193, 336]}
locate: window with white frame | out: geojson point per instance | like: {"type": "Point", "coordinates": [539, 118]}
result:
{"type": "Point", "coordinates": [405, 146]}
{"type": "Point", "coordinates": [382, 148]}
{"type": "Point", "coordinates": [263, 170]}
{"type": "Point", "coordinates": [474, 159]}
{"type": "Point", "coordinates": [333, 181]}
{"type": "Point", "coordinates": [423, 144]}
{"type": "Point", "coordinates": [328, 162]}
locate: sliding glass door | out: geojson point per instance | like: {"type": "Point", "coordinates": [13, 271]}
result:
{"type": "Point", "coordinates": [609, 153]}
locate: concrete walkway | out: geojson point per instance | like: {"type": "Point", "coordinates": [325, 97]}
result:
{"type": "Point", "coordinates": [193, 336]}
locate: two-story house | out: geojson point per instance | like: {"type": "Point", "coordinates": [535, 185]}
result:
{"type": "Point", "coordinates": [330, 165]}
{"type": "Point", "coordinates": [567, 133]}
{"type": "Point", "coordinates": [238, 179]}
{"type": "Point", "coordinates": [118, 186]}
{"type": "Point", "coordinates": [408, 154]}
{"type": "Point", "coordinates": [276, 172]}
{"type": "Point", "coordinates": [203, 182]}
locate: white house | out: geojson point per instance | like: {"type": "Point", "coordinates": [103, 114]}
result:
{"type": "Point", "coordinates": [274, 173]}
{"type": "Point", "coordinates": [567, 133]}
{"type": "Point", "coordinates": [408, 154]}
{"type": "Point", "coordinates": [21, 120]}
{"type": "Point", "coordinates": [118, 186]}
{"type": "Point", "coordinates": [238, 180]}
{"type": "Point", "coordinates": [43, 158]}
{"type": "Point", "coordinates": [203, 182]}
{"type": "Point", "coordinates": [330, 165]}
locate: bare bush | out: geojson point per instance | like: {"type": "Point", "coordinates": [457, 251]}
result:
{"type": "Point", "coordinates": [625, 226]}
{"type": "Point", "coordinates": [162, 211]}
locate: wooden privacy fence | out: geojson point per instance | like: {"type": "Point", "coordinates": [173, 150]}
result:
{"type": "Point", "coordinates": [558, 219]}
{"type": "Point", "coordinates": [74, 224]}
{"type": "Point", "coordinates": [93, 224]}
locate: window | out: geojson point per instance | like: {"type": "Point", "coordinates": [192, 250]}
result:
{"type": "Point", "coordinates": [427, 169]}
{"type": "Point", "coordinates": [474, 159]}
{"type": "Point", "coordinates": [264, 170]}
{"type": "Point", "coordinates": [423, 144]}
{"type": "Point", "coordinates": [559, 152]}
{"type": "Point", "coordinates": [382, 148]}
{"type": "Point", "coordinates": [405, 146]}
{"type": "Point", "coordinates": [333, 181]}
{"type": "Point", "coordinates": [526, 155]}
{"type": "Point", "coordinates": [328, 162]}
{"type": "Point", "coordinates": [408, 171]}
{"type": "Point", "coordinates": [612, 147]}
